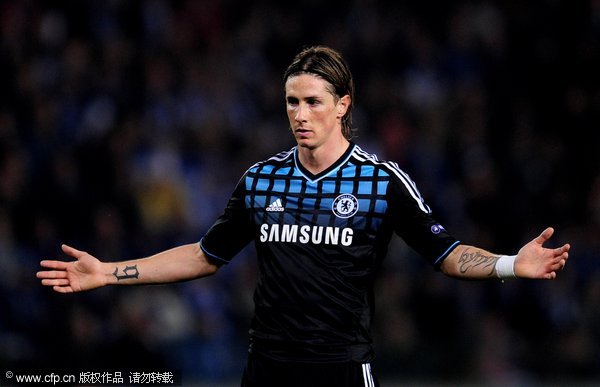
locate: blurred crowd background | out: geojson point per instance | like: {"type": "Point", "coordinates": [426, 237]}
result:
{"type": "Point", "coordinates": [125, 125]}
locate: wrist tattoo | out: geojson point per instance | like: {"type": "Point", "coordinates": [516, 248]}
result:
{"type": "Point", "coordinates": [128, 273]}
{"type": "Point", "coordinates": [469, 260]}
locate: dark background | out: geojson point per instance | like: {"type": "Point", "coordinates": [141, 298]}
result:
{"type": "Point", "coordinates": [124, 126]}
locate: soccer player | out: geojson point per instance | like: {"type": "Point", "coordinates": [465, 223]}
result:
{"type": "Point", "coordinates": [321, 216]}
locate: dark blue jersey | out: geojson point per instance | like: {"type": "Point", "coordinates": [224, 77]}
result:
{"type": "Point", "coordinates": [320, 240]}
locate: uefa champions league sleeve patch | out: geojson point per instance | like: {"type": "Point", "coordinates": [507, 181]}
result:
{"type": "Point", "coordinates": [437, 228]}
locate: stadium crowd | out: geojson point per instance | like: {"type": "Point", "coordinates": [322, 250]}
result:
{"type": "Point", "coordinates": [124, 126]}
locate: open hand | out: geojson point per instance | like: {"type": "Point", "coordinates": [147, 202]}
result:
{"type": "Point", "coordinates": [84, 273]}
{"type": "Point", "coordinates": [536, 261]}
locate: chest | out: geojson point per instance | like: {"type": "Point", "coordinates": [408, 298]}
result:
{"type": "Point", "coordinates": [353, 197]}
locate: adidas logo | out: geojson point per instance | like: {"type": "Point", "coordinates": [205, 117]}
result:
{"type": "Point", "coordinates": [276, 206]}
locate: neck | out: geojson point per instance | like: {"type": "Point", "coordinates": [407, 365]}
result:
{"type": "Point", "coordinates": [316, 160]}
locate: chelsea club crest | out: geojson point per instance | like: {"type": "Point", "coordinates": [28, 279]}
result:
{"type": "Point", "coordinates": [345, 206]}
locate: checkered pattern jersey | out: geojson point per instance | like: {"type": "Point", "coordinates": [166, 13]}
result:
{"type": "Point", "coordinates": [320, 240]}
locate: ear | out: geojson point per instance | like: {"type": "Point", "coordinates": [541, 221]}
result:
{"type": "Point", "coordinates": [343, 105]}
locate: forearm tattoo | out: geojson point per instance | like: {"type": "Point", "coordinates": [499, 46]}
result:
{"type": "Point", "coordinates": [470, 260]}
{"type": "Point", "coordinates": [128, 273]}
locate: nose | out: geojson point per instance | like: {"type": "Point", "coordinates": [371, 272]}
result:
{"type": "Point", "coordinates": [300, 112]}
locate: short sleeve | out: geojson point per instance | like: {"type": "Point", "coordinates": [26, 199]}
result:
{"type": "Point", "coordinates": [231, 232]}
{"type": "Point", "coordinates": [414, 223]}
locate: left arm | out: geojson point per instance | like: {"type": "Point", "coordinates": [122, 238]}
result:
{"type": "Point", "coordinates": [533, 260]}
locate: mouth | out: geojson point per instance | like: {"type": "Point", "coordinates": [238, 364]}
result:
{"type": "Point", "coordinates": [301, 131]}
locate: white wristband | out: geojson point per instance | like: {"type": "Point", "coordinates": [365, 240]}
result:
{"type": "Point", "coordinates": [505, 267]}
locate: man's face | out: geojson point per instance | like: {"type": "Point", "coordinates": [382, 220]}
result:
{"type": "Point", "coordinates": [313, 111]}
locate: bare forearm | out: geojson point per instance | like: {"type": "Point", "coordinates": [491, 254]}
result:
{"type": "Point", "coordinates": [470, 262]}
{"type": "Point", "coordinates": [178, 264]}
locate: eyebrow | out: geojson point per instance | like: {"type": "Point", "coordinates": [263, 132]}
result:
{"type": "Point", "coordinates": [310, 97]}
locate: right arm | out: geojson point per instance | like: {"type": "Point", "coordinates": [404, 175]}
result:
{"type": "Point", "coordinates": [181, 263]}
{"type": "Point", "coordinates": [229, 234]}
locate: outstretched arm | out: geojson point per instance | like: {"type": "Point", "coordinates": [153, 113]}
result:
{"type": "Point", "coordinates": [533, 260]}
{"type": "Point", "coordinates": [87, 272]}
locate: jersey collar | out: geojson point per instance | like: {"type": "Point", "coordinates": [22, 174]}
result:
{"type": "Point", "coordinates": [334, 167]}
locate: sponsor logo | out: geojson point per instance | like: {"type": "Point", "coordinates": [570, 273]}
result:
{"type": "Point", "coordinates": [276, 206]}
{"type": "Point", "coordinates": [345, 206]}
{"type": "Point", "coordinates": [306, 234]}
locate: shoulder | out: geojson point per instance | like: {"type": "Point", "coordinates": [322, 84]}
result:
{"type": "Point", "coordinates": [366, 158]}
{"type": "Point", "coordinates": [401, 183]}
{"type": "Point", "coordinates": [279, 160]}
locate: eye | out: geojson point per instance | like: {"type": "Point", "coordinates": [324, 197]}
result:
{"type": "Point", "coordinates": [313, 101]}
{"type": "Point", "coordinates": [291, 101]}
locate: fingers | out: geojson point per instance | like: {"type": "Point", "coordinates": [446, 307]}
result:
{"type": "Point", "coordinates": [562, 253]}
{"type": "Point", "coordinates": [61, 265]}
{"type": "Point", "coordinates": [57, 276]}
{"type": "Point", "coordinates": [558, 265]}
{"type": "Point", "coordinates": [58, 265]}
{"type": "Point", "coordinates": [544, 236]}
{"type": "Point", "coordinates": [51, 274]}
{"type": "Point", "coordinates": [559, 261]}
{"type": "Point", "coordinates": [57, 279]}
{"type": "Point", "coordinates": [62, 289]}
{"type": "Point", "coordinates": [56, 282]}
{"type": "Point", "coordinates": [73, 252]}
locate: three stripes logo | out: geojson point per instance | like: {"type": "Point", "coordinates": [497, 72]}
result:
{"type": "Point", "coordinates": [276, 206]}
